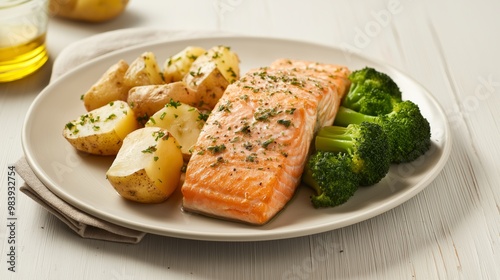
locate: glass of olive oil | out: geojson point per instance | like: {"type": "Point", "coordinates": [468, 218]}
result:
{"type": "Point", "coordinates": [23, 25]}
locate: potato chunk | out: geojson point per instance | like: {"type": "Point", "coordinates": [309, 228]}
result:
{"type": "Point", "coordinates": [101, 131]}
{"type": "Point", "coordinates": [211, 73]}
{"type": "Point", "coordinates": [144, 70]}
{"type": "Point", "coordinates": [226, 60]}
{"type": "Point", "coordinates": [110, 87]}
{"type": "Point", "coordinates": [177, 66]}
{"type": "Point", "coordinates": [148, 167]}
{"type": "Point", "coordinates": [147, 100]}
{"type": "Point", "coordinates": [182, 121]}
{"type": "Point", "coordinates": [208, 83]}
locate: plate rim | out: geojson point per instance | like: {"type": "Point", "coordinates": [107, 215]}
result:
{"type": "Point", "coordinates": [262, 236]}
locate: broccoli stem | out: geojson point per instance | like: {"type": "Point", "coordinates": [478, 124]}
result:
{"type": "Point", "coordinates": [333, 145]}
{"type": "Point", "coordinates": [335, 139]}
{"type": "Point", "coordinates": [346, 116]}
{"type": "Point", "coordinates": [353, 95]}
{"type": "Point", "coordinates": [308, 179]}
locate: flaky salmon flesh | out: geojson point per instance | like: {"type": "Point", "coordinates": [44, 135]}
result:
{"type": "Point", "coordinates": [249, 158]}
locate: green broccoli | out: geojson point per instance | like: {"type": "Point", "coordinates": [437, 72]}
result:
{"type": "Point", "coordinates": [365, 143]}
{"type": "Point", "coordinates": [371, 92]}
{"type": "Point", "coordinates": [369, 100]}
{"type": "Point", "coordinates": [344, 159]}
{"type": "Point", "coordinates": [375, 79]}
{"type": "Point", "coordinates": [407, 129]}
{"type": "Point", "coordinates": [332, 177]}
{"type": "Point", "coordinates": [373, 128]}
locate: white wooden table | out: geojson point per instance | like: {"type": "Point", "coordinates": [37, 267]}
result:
{"type": "Point", "coordinates": [451, 230]}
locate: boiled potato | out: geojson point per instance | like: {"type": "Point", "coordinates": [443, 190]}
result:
{"type": "Point", "coordinates": [101, 131]}
{"type": "Point", "coordinates": [208, 83]}
{"type": "Point", "coordinates": [109, 87]}
{"type": "Point", "coordinates": [226, 60]}
{"type": "Point", "coordinates": [144, 70]}
{"type": "Point", "coordinates": [148, 167]}
{"type": "Point", "coordinates": [147, 100]}
{"type": "Point", "coordinates": [88, 10]}
{"type": "Point", "coordinates": [182, 121]}
{"type": "Point", "coordinates": [211, 73]}
{"type": "Point", "coordinates": [177, 66]}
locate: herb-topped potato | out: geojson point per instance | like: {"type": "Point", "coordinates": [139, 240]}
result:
{"type": "Point", "coordinates": [211, 73]}
{"type": "Point", "coordinates": [148, 167]}
{"type": "Point", "coordinates": [110, 87]}
{"type": "Point", "coordinates": [144, 70]}
{"type": "Point", "coordinates": [101, 131]}
{"type": "Point", "coordinates": [147, 100]}
{"type": "Point", "coordinates": [177, 66]}
{"type": "Point", "coordinates": [182, 121]}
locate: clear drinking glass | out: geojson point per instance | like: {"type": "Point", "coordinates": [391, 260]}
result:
{"type": "Point", "coordinates": [23, 25]}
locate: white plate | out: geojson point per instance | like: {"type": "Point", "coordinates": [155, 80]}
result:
{"type": "Point", "coordinates": [80, 179]}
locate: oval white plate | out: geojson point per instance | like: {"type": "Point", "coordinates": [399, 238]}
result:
{"type": "Point", "coordinates": [80, 179]}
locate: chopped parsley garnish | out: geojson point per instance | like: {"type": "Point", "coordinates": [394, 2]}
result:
{"type": "Point", "coordinates": [286, 123]}
{"type": "Point", "coordinates": [217, 148]}
{"type": "Point", "coordinates": [203, 117]}
{"type": "Point", "coordinates": [150, 149]}
{"type": "Point", "coordinates": [217, 162]}
{"type": "Point", "coordinates": [173, 103]}
{"type": "Point", "coordinates": [251, 157]}
{"type": "Point", "coordinates": [225, 107]}
{"type": "Point", "coordinates": [70, 125]}
{"type": "Point", "coordinates": [192, 57]}
{"type": "Point", "coordinates": [267, 142]}
{"type": "Point", "coordinates": [265, 114]}
{"type": "Point", "coordinates": [231, 71]}
{"type": "Point", "coordinates": [162, 116]}
{"type": "Point", "coordinates": [159, 134]}
{"type": "Point", "coordinates": [111, 117]}
{"type": "Point", "coordinates": [248, 146]}
{"type": "Point", "coordinates": [197, 73]}
{"type": "Point", "coordinates": [245, 129]}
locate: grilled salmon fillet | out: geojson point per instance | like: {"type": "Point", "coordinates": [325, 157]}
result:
{"type": "Point", "coordinates": [250, 156]}
{"type": "Point", "coordinates": [336, 75]}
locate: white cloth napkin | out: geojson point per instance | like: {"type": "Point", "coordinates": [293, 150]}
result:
{"type": "Point", "coordinates": [83, 224]}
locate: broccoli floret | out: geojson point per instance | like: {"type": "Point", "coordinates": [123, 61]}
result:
{"type": "Point", "coordinates": [345, 158]}
{"type": "Point", "coordinates": [407, 129]}
{"type": "Point", "coordinates": [369, 100]}
{"type": "Point", "coordinates": [375, 79]}
{"type": "Point", "coordinates": [371, 92]}
{"type": "Point", "coordinates": [367, 145]}
{"type": "Point", "coordinates": [332, 178]}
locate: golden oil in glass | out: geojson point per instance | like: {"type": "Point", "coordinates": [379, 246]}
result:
{"type": "Point", "coordinates": [23, 25]}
